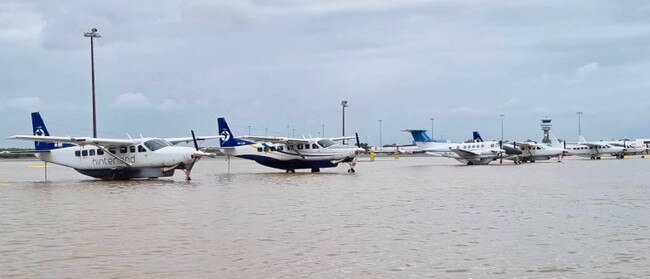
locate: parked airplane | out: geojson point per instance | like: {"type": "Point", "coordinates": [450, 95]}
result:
{"type": "Point", "coordinates": [107, 158]}
{"type": "Point", "coordinates": [593, 150]}
{"type": "Point", "coordinates": [638, 147]}
{"type": "Point", "coordinates": [289, 154]}
{"type": "Point", "coordinates": [532, 151]}
{"type": "Point", "coordinates": [477, 152]}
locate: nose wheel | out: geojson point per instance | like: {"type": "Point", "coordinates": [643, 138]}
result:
{"type": "Point", "coordinates": [352, 164]}
{"type": "Point", "coordinates": [188, 169]}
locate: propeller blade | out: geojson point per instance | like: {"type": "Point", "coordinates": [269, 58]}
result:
{"type": "Point", "coordinates": [196, 145]}
{"type": "Point", "coordinates": [358, 143]}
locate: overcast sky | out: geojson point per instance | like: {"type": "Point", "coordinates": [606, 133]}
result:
{"type": "Point", "coordinates": [165, 67]}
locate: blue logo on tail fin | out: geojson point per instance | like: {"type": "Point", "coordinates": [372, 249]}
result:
{"type": "Point", "coordinates": [477, 136]}
{"type": "Point", "coordinates": [228, 140]}
{"type": "Point", "coordinates": [420, 136]}
{"type": "Point", "coordinates": [39, 129]}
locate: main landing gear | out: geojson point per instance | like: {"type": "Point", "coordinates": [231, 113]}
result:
{"type": "Point", "coordinates": [290, 171]}
{"type": "Point", "coordinates": [315, 170]}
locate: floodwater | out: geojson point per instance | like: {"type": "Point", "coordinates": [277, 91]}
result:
{"type": "Point", "coordinates": [417, 217]}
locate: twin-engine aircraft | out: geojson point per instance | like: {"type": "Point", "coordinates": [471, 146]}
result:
{"type": "Point", "coordinates": [108, 159]}
{"type": "Point", "coordinates": [289, 154]}
{"type": "Point", "coordinates": [477, 152]}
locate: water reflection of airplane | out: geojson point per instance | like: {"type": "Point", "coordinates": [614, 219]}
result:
{"type": "Point", "coordinates": [476, 152]}
{"type": "Point", "coordinates": [593, 150]}
{"type": "Point", "coordinates": [108, 158]}
{"type": "Point", "coordinates": [289, 154]}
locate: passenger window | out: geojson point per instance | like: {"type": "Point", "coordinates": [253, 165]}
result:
{"type": "Point", "coordinates": [84, 152]}
{"type": "Point", "coordinates": [100, 152]}
{"type": "Point", "coordinates": [280, 148]}
{"type": "Point", "coordinates": [122, 149]}
{"type": "Point", "coordinates": [289, 147]}
{"type": "Point", "coordinates": [266, 149]}
{"type": "Point", "coordinates": [141, 148]}
{"type": "Point", "coordinates": [132, 149]}
{"type": "Point", "coordinates": [259, 149]}
{"type": "Point", "coordinates": [314, 146]}
{"type": "Point", "coordinates": [91, 152]}
{"type": "Point", "coordinates": [307, 146]}
{"type": "Point", "coordinates": [77, 153]}
{"type": "Point", "coordinates": [300, 146]}
{"type": "Point", "coordinates": [112, 150]}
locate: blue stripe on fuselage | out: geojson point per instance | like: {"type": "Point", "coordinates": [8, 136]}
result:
{"type": "Point", "coordinates": [289, 164]}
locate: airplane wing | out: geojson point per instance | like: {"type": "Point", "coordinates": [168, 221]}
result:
{"type": "Point", "coordinates": [342, 138]}
{"type": "Point", "coordinates": [276, 139]}
{"type": "Point", "coordinates": [465, 153]}
{"type": "Point", "coordinates": [74, 140]}
{"type": "Point", "coordinates": [524, 144]}
{"type": "Point", "coordinates": [591, 144]}
{"type": "Point", "coordinates": [266, 139]}
{"type": "Point", "coordinates": [190, 139]}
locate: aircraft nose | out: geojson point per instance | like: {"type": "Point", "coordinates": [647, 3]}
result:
{"type": "Point", "coordinates": [511, 150]}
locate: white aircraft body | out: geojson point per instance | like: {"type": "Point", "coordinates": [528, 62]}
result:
{"type": "Point", "coordinates": [637, 147]}
{"type": "Point", "coordinates": [593, 150]}
{"type": "Point", "coordinates": [397, 149]}
{"type": "Point", "coordinates": [107, 158]}
{"type": "Point", "coordinates": [478, 152]}
{"type": "Point", "coordinates": [531, 151]}
{"type": "Point", "coordinates": [289, 154]}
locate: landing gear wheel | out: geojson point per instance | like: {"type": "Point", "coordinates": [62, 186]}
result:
{"type": "Point", "coordinates": [315, 170]}
{"type": "Point", "coordinates": [470, 163]}
{"type": "Point", "coordinates": [597, 158]}
{"type": "Point", "coordinates": [291, 171]}
{"type": "Point", "coordinates": [351, 171]}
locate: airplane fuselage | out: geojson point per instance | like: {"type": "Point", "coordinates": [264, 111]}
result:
{"type": "Point", "coordinates": [294, 156]}
{"type": "Point", "coordinates": [123, 162]}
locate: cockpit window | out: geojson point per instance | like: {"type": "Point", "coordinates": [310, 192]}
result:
{"type": "Point", "coordinates": [156, 144]}
{"type": "Point", "coordinates": [325, 143]}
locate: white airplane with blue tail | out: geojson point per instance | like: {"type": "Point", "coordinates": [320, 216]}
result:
{"type": "Point", "coordinates": [289, 154]}
{"type": "Point", "coordinates": [109, 158]}
{"type": "Point", "coordinates": [477, 152]}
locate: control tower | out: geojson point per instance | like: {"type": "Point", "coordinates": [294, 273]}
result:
{"type": "Point", "coordinates": [546, 128]}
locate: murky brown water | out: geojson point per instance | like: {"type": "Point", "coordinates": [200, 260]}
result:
{"type": "Point", "coordinates": [412, 218]}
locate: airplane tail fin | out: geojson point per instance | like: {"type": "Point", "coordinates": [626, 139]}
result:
{"type": "Point", "coordinates": [228, 140]}
{"type": "Point", "coordinates": [39, 129]}
{"type": "Point", "coordinates": [581, 139]}
{"type": "Point", "coordinates": [421, 139]}
{"type": "Point", "coordinates": [477, 136]}
{"type": "Point", "coordinates": [420, 135]}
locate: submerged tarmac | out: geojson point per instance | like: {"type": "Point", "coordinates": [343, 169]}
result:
{"type": "Point", "coordinates": [417, 217]}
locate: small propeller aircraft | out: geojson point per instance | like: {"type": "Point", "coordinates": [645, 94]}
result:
{"type": "Point", "coordinates": [532, 151]}
{"type": "Point", "coordinates": [593, 150]}
{"type": "Point", "coordinates": [476, 152]}
{"type": "Point", "coordinates": [108, 158]}
{"type": "Point", "coordinates": [289, 154]}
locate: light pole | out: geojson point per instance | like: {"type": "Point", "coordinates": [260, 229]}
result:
{"type": "Point", "coordinates": [380, 144]}
{"type": "Point", "coordinates": [92, 35]}
{"type": "Point", "coordinates": [344, 104]}
{"type": "Point", "coordinates": [502, 115]}
{"type": "Point", "coordinates": [294, 132]}
{"type": "Point", "coordinates": [432, 128]}
{"type": "Point", "coordinates": [249, 130]}
{"type": "Point", "coordinates": [579, 124]}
